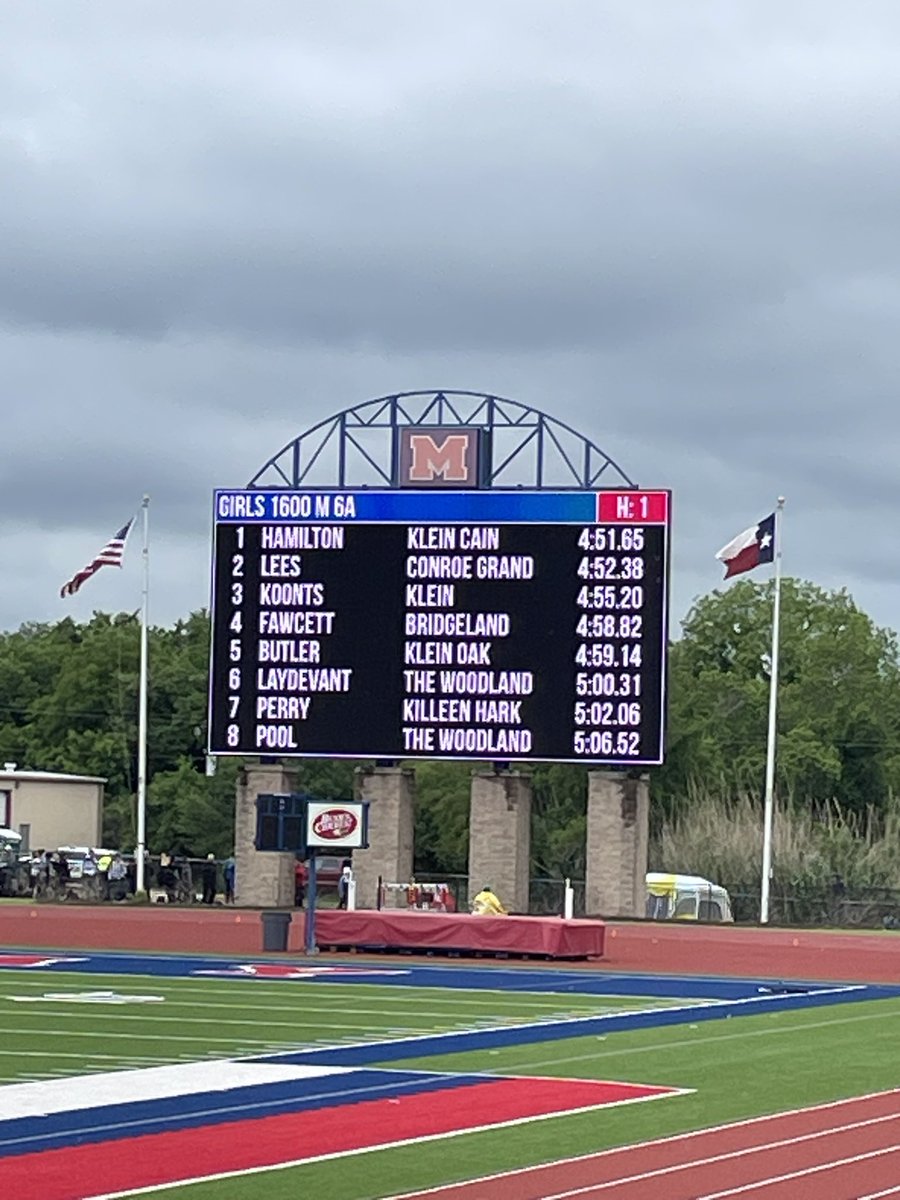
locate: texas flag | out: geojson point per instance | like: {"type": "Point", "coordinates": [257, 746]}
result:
{"type": "Point", "coordinates": [754, 546]}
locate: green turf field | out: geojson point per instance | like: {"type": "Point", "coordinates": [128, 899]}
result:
{"type": "Point", "coordinates": [228, 1018]}
{"type": "Point", "coordinates": [737, 1067]}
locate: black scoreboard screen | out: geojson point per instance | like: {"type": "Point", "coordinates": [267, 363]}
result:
{"type": "Point", "coordinates": [484, 625]}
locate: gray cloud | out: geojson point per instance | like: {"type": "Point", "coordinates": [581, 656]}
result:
{"type": "Point", "coordinates": [670, 226]}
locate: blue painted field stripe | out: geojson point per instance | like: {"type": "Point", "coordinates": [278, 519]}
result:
{"type": "Point", "coordinates": [545, 979]}
{"type": "Point", "coordinates": [550, 1031]}
{"type": "Point", "coordinates": [26, 1135]}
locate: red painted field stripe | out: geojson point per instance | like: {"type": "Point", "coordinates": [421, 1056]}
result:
{"type": "Point", "coordinates": [158, 1158]}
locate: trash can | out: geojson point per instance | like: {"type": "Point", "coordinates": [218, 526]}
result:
{"type": "Point", "coordinates": [275, 930]}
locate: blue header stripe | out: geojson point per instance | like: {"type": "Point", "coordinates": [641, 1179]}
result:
{"type": "Point", "coordinates": [258, 506]}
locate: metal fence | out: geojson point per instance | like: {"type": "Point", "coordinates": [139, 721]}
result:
{"type": "Point", "coordinates": [863, 908]}
{"type": "Point", "coordinates": [806, 905]}
{"type": "Point", "coordinates": [823, 907]}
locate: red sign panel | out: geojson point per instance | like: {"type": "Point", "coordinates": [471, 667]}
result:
{"type": "Point", "coordinates": [334, 825]}
{"type": "Point", "coordinates": [633, 507]}
{"type": "Point", "coordinates": [439, 456]}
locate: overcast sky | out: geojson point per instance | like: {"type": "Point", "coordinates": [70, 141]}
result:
{"type": "Point", "coordinates": [671, 225]}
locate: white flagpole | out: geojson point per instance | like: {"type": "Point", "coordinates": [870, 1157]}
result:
{"type": "Point", "coordinates": [140, 848]}
{"type": "Point", "coordinates": [773, 712]}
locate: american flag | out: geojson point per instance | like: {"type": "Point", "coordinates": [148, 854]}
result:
{"type": "Point", "coordinates": [110, 556]}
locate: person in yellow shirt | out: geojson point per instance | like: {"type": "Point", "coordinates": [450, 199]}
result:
{"type": "Point", "coordinates": [486, 904]}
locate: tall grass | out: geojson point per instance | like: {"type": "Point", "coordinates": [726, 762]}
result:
{"type": "Point", "coordinates": [823, 860]}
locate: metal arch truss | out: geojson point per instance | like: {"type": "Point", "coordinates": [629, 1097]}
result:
{"type": "Point", "coordinates": [355, 448]}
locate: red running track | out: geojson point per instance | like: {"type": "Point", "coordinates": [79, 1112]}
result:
{"type": "Point", "coordinates": [849, 1150]}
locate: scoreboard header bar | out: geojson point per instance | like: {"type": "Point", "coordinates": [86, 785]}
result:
{"type": "Point", "coordinates": [276, 505]}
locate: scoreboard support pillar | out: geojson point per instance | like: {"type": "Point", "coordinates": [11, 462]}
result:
{"type": "Point", "coordinates": [500, 836]}
{"type": "Point", "coordinates": [390, 792]}
{"type": "Point", "coordinates": [618, 821]}
{"type": "Point", "coordinates": [262, 880]}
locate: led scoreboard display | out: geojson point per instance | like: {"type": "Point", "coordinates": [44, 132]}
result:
{"type": "Point", "coordinates": [485, 625]}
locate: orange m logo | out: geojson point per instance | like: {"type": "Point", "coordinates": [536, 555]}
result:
{"type": "Point", "coordinates": [448, 460]}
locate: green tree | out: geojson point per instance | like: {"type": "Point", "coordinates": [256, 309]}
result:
{"type": "Point", "coordinates": [442, 817]}
{"type": "Point", "coordinates": [189, 813]}
{"type": "Point", "coordinates": [70, 703]}
{"type": "Point", "coordinates": [558, 820]}
{"type": "Point", "coordinates": [838, 700]}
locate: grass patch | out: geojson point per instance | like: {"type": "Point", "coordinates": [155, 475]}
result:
{"type": "Point", "coordinates": [229, 1018]}
{"type": "Point", "coordinates": [738, 1066]}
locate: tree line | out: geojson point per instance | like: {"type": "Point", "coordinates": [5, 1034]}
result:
{"type": "Point", "coordinates": [69, 701]}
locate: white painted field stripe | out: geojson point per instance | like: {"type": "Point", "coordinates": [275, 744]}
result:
{"type": "Point", "coordinates": [302, 1003]}
{"type": "Point", "coordinates": [891, 1191]}
{"type": "Point", "coordinates": [311, 993]}
{"type": "Point", "coordinates": [152, 1018]}
{"type": "Point", "coordinates": [307, 1012]}
{"type": "Point", "coordinates": [416, 1141]}
{"type": "Point", "coordinates": [134, 1036]}
{"type": "Point", "coordinates": [149, 1083]}
{"type": "Point", "coordinates": [91, 1054]}
{"type": "Point", "coordinates": [747, 1123]}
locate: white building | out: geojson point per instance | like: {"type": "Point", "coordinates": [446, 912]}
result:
{"type": "Point", "coordinates": [50, 809]}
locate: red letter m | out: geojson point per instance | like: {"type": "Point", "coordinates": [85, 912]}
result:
{"type": "Point", "coordinates": [448, 461]}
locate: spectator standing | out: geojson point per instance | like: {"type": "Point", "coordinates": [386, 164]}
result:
{"type": "Point", "coordinates": [228, 874]}
{"type": "Point", "coordinates": [166, 875]}
{"type": "Point", "coordinates": [208, 877]}
{"type": "Point", "coordinates": [299, 883]}
{"type": "Point", "coordinates": [63, 873]}
{"type": "Point", "coordinates": [104, 862]}
{"type": "Point", "coordinates": [344, 883]}
{"type": "Point", "coordinates": [117, 876]}
{"type": "Point", "coordinates": [89, 878]}
{"type": "Point", "coordinates": [37, 868]}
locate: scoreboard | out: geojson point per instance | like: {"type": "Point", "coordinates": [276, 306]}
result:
{"type": "Point", "coordinates": [486, 625]}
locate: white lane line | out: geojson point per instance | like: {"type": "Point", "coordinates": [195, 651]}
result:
{"type": "Point", "coordinates": [670, 1140]}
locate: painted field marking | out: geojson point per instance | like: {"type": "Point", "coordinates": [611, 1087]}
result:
{"type": "Point", "coordinates": [301, 1011]}
{"type": "Point", "coordinates": [548, 1007]}
{"type": "Point", "coordinates": [19, 962]}
{"type": "Point", "coordinates": [105, 1034]}
{"type": "Point", "coordinates": [665, 1141]}
{"type": "Point", "coordinates": [270, 970]}
{"type": "Point", "coordinates": [304, 1002]}
{"type": "Point", "coordinates": [401, 1142]}
{"type": "Point", "coordinates": [156, 1018]}
{"type": "Point", "coordinates": [891, 1191]}
{"type": "Point", "coordinates": [352, 1094]}
{"type": "Point", "coordinates": [89, 998]}
{"type": "Point", "coordinates": [148, 1083]}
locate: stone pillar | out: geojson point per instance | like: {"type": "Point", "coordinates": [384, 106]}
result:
{"type": "Point", "coordinates": [618, 817]}
{"type": "Point", "coordinates": [262, 879]}
{"type": "Point", "coordinates": [500, 836]}
{"type": "Point", "coordinates": [391, 794]}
